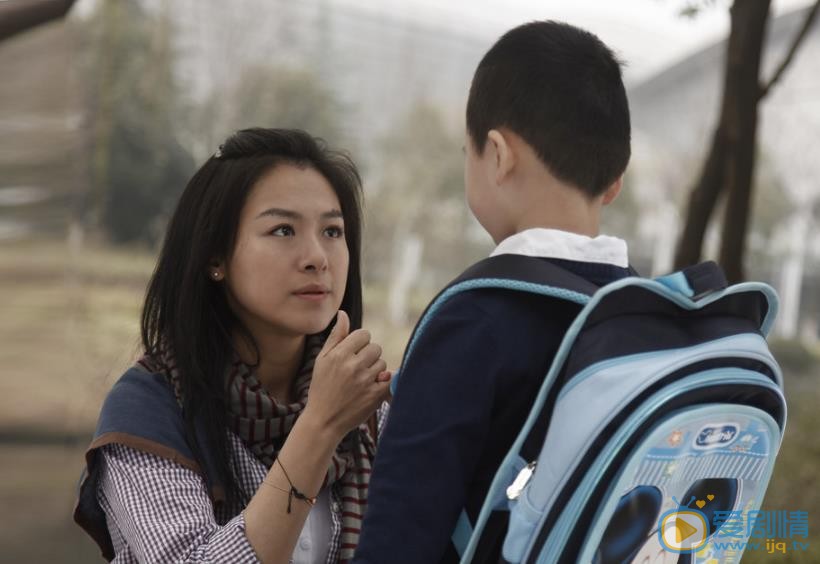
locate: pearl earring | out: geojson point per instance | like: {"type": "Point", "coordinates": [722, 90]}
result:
{"type": "Point", "coordinates": [215, 274]}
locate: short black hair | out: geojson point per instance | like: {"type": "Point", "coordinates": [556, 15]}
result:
{"type": "Point", "coordinates": [560, 89]}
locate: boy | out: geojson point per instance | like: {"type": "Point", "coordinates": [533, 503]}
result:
{"type": "Point", "coordinates": [547, 144]}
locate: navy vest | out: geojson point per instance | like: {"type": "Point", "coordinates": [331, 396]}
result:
{"type": "Point", "coordinates": [140, 412]}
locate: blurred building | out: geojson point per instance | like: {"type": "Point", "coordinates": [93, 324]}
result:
{"type": "Point", "coordinates": [41, 153]}
{"type": "Point", "coordinates": [379, 66]}
{"type": "Point", "coordinates": [674, 114]}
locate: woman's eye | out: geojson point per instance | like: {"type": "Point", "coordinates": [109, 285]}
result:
{"type": "Point", "coordinates": [281, 231]}
{"type": "Point", "coordinates": [334, 232]}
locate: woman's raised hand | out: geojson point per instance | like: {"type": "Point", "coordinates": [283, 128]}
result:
{"type": "Point", "coordinates": [350, 379]}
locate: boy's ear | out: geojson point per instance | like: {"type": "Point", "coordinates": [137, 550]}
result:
{"type": "Point", "coordinates": [502, 154]}
{"type": "Point", "coordinates": [612, 192]}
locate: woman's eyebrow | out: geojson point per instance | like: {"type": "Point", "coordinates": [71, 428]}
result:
{"type": "Point", "coordinates": [279, 212]}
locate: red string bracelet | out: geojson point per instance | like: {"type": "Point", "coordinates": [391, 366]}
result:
{"type": "Point", "coordinates": [293, 491]}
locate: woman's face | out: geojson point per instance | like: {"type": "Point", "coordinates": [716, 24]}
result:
{"type": "Point", "coordinates": [288, 272]}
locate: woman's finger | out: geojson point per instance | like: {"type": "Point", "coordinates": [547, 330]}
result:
{"type": "Point", "coordinates": [354, 342]}
{"type": "Point", "coordinates": [338, 333]}
{"type": "Point", "coordinates": [368, 355]}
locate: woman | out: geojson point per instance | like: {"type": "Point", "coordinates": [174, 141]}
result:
{"type": "Point", "coordinates": [244, 427]}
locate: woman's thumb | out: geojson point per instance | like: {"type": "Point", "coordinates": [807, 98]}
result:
{"type": "Point", "coordinates": [339, 331]}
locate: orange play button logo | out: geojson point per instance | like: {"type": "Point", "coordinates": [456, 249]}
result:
{"type": "Point", "coordinates": [683, 530]}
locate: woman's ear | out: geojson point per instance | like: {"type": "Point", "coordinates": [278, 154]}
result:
{"type": "Point", "coordinates": [502, 155]}
{"type": "Point", "coordinates": [612, 192]}
{"type": "Point", "coordinates": [216, 270]}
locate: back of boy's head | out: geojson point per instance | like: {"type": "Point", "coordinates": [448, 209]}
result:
{"type": "Point", "coordinates": [560, 89]}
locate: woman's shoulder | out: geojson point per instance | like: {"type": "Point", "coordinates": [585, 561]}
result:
{"type": "Point", "coordinates": [143, 377]}
{"type": "Point", "coordinates": [140, 396]}
{"type": "Point", "coordinates": [141, 411]}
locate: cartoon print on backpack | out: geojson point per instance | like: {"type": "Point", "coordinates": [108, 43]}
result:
{"type": "Point", "coordinates": [636, 515]}
{"type": "Point", "coordinates": [633, 536]}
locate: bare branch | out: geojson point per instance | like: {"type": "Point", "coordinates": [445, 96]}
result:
{"type": "Point", "coordinates": [798, 39]}
{"type": "Point", "coordinates": [17, 15]}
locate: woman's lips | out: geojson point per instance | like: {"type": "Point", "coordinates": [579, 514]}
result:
{"type": "Point", "coordinates": [312, 296]}
{"type": "Point", "coordinates": [313, 292]}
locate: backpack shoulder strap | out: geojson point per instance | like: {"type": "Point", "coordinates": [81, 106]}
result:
{"type": "Point", "coordinates": [697, 280]}
{"type": "Point", "coordinates": [513, 272]}
{"type": "Point", "coordinates": [524, 269]}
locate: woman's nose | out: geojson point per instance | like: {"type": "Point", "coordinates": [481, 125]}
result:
{"type": "Point", "coordinates": [313, 256]}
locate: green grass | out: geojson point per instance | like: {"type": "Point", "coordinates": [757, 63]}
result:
{"type": "Point", "coordinates": [69, 326]}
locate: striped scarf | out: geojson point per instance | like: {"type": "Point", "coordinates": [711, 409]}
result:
{"type": "Point", "coordinates": [263, 425]}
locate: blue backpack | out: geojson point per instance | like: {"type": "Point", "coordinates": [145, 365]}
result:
{"type": "Point", "coordinates": [666, 412]}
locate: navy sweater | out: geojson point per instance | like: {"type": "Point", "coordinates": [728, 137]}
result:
{"type": "Point", "coordinates": [462, 397]}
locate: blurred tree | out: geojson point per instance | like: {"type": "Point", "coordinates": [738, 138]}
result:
{"type": "Point", "coordinates": [138, 169]}
{"type": "Point", "coordinates": [621, 215]}
{"type": "Point", "coordinates": [728, 168]}
{"type": "Point", "coordinates": [287, 97]}
{"type": "Point", "coordinates": [271, 96]}
{"type": "Point", "coordinates": [418, 221]}
{"type": "Point", "coordinates": [771, 204]}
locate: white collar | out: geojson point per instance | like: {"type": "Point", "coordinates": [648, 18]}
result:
{"type": "Point", "coordinates": [553, 243]}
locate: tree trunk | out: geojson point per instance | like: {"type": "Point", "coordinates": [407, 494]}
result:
{"type": "Point", "coordinates": [702, 201]}
{"type": "Point", "coordinates": [728, 167]}
{"type": "Point", "coordinates": [743, 89]}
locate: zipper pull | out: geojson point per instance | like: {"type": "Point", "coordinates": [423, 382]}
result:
{"type": "Point", "coordinates": [521, 481]}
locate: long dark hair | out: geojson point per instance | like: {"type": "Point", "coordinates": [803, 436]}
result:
{"type": "Point", "coordinates": [188, 314]}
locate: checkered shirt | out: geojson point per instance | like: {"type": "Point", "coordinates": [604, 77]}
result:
{"type": "Point", "coordinates": [159, 511]}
